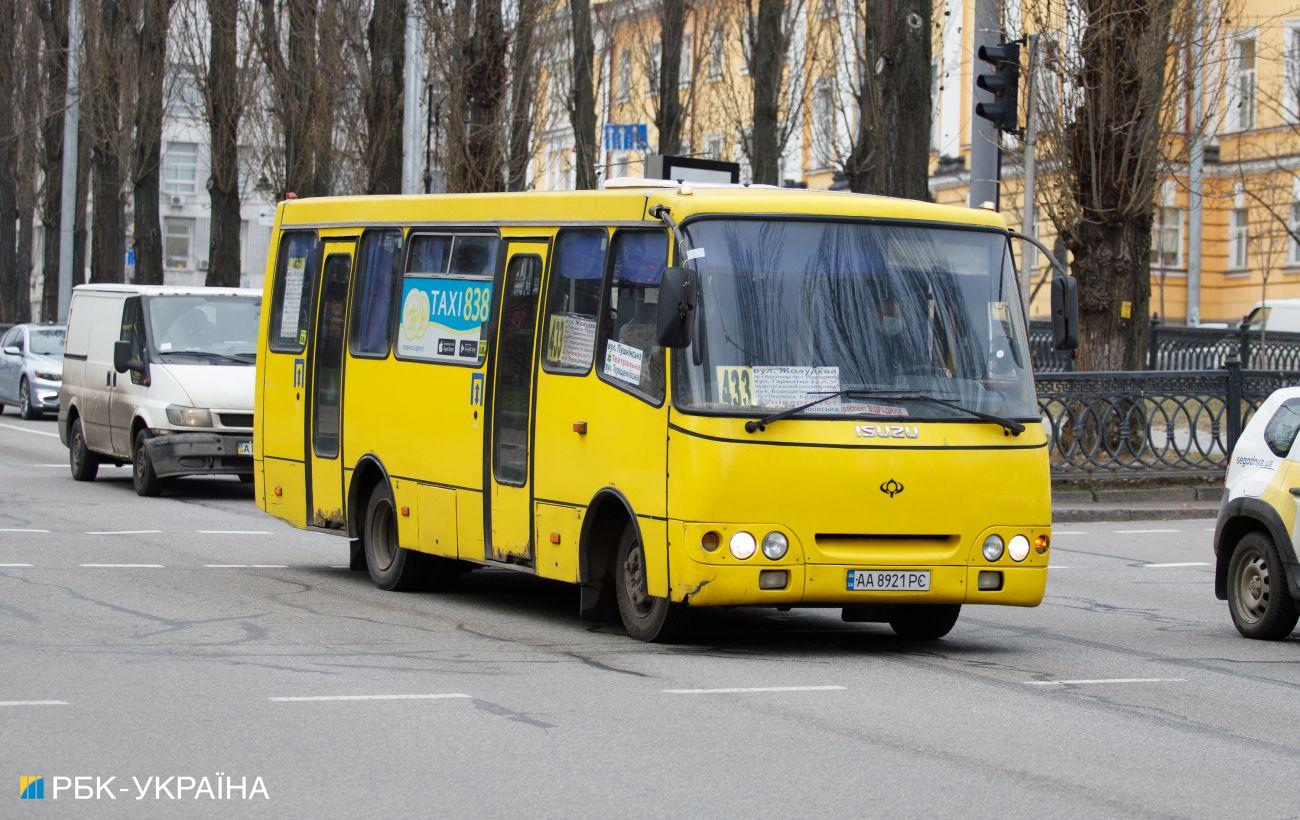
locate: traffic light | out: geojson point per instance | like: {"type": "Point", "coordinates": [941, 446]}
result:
{"type": "Point", "coordinates": [1003, 84]}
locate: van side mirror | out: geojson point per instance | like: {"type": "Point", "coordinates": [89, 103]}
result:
{"type": "Point", "coordinates": [122, 358]}
{"type": "Point", "coordinates": [1065, 313]}
{"type": "Point", "coordinates": [676, 317]}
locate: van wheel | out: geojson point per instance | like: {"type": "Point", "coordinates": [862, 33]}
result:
{"type": "Point", "coordinates": [147, 483]}
{"type": "Point", "coordinates": [1258, 597]}
{"type": "Point", "coordinates": [645, 617]}
{"type": "Point", "coordinates": [25, 408]}
{"type": "Point", "coordinates": [84, 464]}
{"type": "Point", "coordinates": [391, 566]}
{"type": "Point", "coordinates": [924, 622]}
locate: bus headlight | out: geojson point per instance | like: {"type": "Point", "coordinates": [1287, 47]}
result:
{"type": "Point", "coordinates": [775, 545]}
{"type": "Point", "coordinates": [742, 545]}
{"type": "Point", "coordinates": [992, 548]}
{"type": "Point", "coordinates": [1018, 548]}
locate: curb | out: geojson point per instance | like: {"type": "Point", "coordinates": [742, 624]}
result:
{"type": "Point", "coordinates": [1099, 512]}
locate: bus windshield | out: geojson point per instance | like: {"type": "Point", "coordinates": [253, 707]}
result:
{"type": "Point", "coordinates": [203, 329]}
{"type": "Point", "coordinates": [793, 310]}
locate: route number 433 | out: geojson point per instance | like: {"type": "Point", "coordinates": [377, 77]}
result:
{"type": "Point", "coordinates": [735, 386]}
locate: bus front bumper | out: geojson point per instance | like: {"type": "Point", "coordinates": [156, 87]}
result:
{"type": "Point", "coordinates": [699, 584]}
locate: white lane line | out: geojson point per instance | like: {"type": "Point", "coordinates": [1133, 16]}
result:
{"type": "Point", "coordinates": [1103, 680]}
{"type": "Point", "coordinates": [1208, 529]}
{"type": "Point", "coordinates": [318, 698]}
{"type": "Point", "coordinates": [1176, 564]}
{"type": "Point", "coordinates": [745, 689]}
{"type": "Point", "coordinates": [14, 565]}
{"type": "Point", "coordinates": [234, 532]}
{"type": "Point", "coordinates": [33, 703]}
{"type": "Point", "coordinates": [21, 529]}
{"type": "Point", "coordinates": [1141, 532]}
{"type": "Point", "coordinates": [339, 566]}
{"type": "Point", "coordinates": [60, 464]}
{"type": "Point", "coordinates": [1056, 566]}
{"type": "Point", "coordinates": [246, 566]}
{"type": "Point", "coordinates": [123, 532]}
{"type": "Point", "coordinates": [123, 566]}
{"type": "Point", "coordinates": [1068, 532]}
{"type": "Point", "coordinates": [28, 430]}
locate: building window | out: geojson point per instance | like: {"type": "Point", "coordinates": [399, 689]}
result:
{"type": "Point", "coordinates": [1167, 239]}
{"type": "Point", "coordinates": [625, 76]}
{"type": "Point", "coordinates": [713, 146]}
{"type": "Point", "coordinates": [716, 56]}
{"type": "Point", "coordinates": [684, 65]}
{"type": "Point", "coordinates": [1291, 72]}
{"type": "Point", "coordinates": [180, 167]}
{"type": "Point", "coordinates": [1293, 226]}
{"type": "Point", "coordinates": [1238, 238]}
{"type": "Point", "coordinates": [1241, 111]}
{"type": "Point", "coordinates": [656, 58]}
{"type": "Point", "coordinates": [177, 234]}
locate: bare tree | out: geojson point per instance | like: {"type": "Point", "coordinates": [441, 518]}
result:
{"type": "Point", "coordinates": [582, 94]}
{"type": "Point", "coordinates": [27, 91]}
{"type": "Point", "coordinates": [10, 282]}
{"type": "Point", "coordinates": [224, 105]}
{"type": "Point", "coordinates": [106, 38]}
{"type": "Point", "coordinates": [299, 93]}
{"type": "Point", "coordinates": [151, 60]}
{"type": "Point", "coordinates": [54, 73]}
{"type": "Point", "coordinates": [525, 65]}
{"type": "Point", "coordinates": [669, 115]}
{"type": "Point", "coordinates": [383, 154]}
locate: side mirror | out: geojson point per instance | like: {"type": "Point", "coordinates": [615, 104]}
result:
{"type": "Point", "coordinates": [1065, 313]}
{"type": "Point", "coordinates": [676, 307]}
{"type": "Point", "coordinates": [122, 358]}
{"type": "Point", "coordinates": [12, 350]}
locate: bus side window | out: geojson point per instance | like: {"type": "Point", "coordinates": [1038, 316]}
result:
{"type": "Point", "coordinates": [573, 300]}
{"type": "Point", "coordinates": [295, 277]}
{"type": "Point", "coordinates": [375, 293]}
{"type": "Point", "coordinates": [631, 356]}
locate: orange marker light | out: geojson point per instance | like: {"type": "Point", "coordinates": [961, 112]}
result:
{"type": "Point", "coordinates": [1040, 544]}
{"type": "Point", "coordinates": [710, 541]}
{"type": "Point", "coordinates": [580, 427]}
{"type": "Point", "coordinates": [555, 538]}
{"type": "Point", "coordinates": [279, 491]}
{"type": "Point", "coordinates": [406, 512]}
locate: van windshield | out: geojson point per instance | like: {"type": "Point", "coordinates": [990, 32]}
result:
{"type": "Point", "coordinates": [793, 310]}
{"type": "Point", "coordinates": [199, 329]}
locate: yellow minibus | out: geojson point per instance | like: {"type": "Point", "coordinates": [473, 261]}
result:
{"type": "Point", "coordinates": [671, 395]}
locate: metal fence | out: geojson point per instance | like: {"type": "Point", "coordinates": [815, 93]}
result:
{"type": "Point", "coordinates": [1129, 424]}
{"type": "Point", "coordinates": [1173, 347]}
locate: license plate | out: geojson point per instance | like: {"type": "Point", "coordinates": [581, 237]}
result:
{"type": "Point", "coordinates": [888, 580]}
{"type": "Point", "coordinates": [244, 448]}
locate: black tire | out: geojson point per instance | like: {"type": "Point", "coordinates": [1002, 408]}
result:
{"type": "Point", "coordinates": [1259, 598]}
{"type": "Point", "coordinates": [644, 616]}
{"type": "Point", "coordinates": [25, 408]}
{"type": "Point", "coordinates": [391, 566]}
{"type": "Point", "coordinates": [83, 463]}
{"type": "Point", "coordinates": [924, 622]}
{"type": "Point", "coordinates": [146, 481]}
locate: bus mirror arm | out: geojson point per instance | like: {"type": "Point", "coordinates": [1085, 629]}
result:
{"type": "Point", "coordinates": [676, 315]}
{"type": "Point", "coordinates": [1065, 299]}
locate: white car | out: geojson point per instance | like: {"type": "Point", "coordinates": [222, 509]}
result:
{"type": "Point", "coordinates": [161, 378]}
{"type": "Point", "coordinates": [1255, 537]}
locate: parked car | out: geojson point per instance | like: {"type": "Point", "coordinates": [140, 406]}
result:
{"type": "Point", "coordinates": [1275, 315]}
{"type": "Point", "coordinates": [161, 378]}
{"type": "Point", "coordinates": [1255, 537]}
{"type": "Point", "coordinates": [31, 368]}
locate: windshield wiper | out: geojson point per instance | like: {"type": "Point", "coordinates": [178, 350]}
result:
{"type": "Point", "coordinates": [1011, 425]}
{"type": "Point", "coordinates": [208, 354]}
{"type": "Point", "coordinates": [755, 425]}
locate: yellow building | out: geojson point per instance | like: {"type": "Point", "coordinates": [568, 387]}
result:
{"type": "Point", "coordinates": [1251, 206]}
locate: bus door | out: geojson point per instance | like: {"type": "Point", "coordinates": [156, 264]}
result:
{"type": "Point", "coordinates": [324, 425]}
{"type": "Point", "coordinates": [510, 467]}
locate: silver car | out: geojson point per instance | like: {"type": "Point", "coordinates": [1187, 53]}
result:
{"type": "Point", "coordinates": [31, 368]}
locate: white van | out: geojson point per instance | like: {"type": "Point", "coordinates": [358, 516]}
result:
{"type": "Point", "coordinates": [161, 378]}
{"type": "Point", "coordinates": [1275, 315]}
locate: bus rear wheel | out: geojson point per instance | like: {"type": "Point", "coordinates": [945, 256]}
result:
{"type": "Point", "coordinates": [391, 567]}
{"type": "Point", "coordinates": [644, 616]}
{"type": "Point", "coordinates": [924, 622]}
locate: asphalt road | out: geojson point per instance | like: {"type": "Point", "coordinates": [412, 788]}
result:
{"type": "Point", "coordinates": [191, 636]}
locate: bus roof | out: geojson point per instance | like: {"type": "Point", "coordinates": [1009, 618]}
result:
{"type": "Point", "coordinates": [617, 205]}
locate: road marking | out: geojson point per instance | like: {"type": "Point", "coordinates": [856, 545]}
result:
{"type": "Point", "coordinates": [28, 430]}
{"type": "Point", "coordinates": [1141, 532]}
{"type": "Point", "coordinates": [1208, 529]}
{"type": "Point", "coordinates": [246, 566]}
{"type": "Point", "coordinates": [33, 703]}
{"type": "Point", "coordinates": [123, 532]}
{"type": "Point", "coordinates": [318, 698]}
{"type": "Point", "coordinates": [234, 532]}
{"type": "Point", "coordinates": [1176, 564]}
{"type": "Point", "coordinates": [123, 566]}
{"type": "Point", "coordinates": [1056, 566]}
{"type": "Point", "coordinates": [61, 464]}
{"type": "Point", "coordinates": [1103, 680]}
{"type": "Point", "coordinates": [14, 565]}
{"type": "Point", "coordinates": [744, 689]}
{"type": "Point", "coordinates": [20, 529]}
{"type": "Point", "coordinates": [1068, 532]}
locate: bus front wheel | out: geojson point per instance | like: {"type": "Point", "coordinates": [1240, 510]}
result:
{"type": "Point", "coordinates": [924, 622]}
{"type": "Point", "coordinates": [645, 617]}
{"type": "Point", "coordinates": [391, 566]}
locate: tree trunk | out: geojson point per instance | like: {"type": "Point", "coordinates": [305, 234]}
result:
{"type": "Point", "coordinates": [668, 117]}
{"type": "Point", "coordinates": [770, 42]}
{"type": "Point", "coordinates": [108, 243]}
{"type": "Point", "coordinates": [79, 231]}
{"type": "Point", "coordinates": [582, 114]}
{"type": "Point", "coordinates": [892, 156]}
{"type": "Point", "coordinates": [1118, 254]}
{"type": "Point", "coordinates": [297, 96]}
{"type": "Point", "coordinates": [223, 126]}
{"type": "Point", "coordinates": [23, 263]}
{"type": "Point", "coordinates": [386, 35]}
{"type": "Point", "coordinates": [523, 84]}
{"type": "Point", "coordinates": [457, 78]}
{"type": "Point", "coordinates": [9, 276]}
{"type": "Point", "coordinates": [54, 66]}
{"type": "Point", "coordinates": [152, 66]}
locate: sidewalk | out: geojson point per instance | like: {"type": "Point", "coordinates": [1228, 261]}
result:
{"type": "Point", "coordinates": [1155, 504]}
